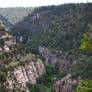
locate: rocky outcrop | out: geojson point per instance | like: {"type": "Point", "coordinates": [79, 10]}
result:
{"type": "Point", "coordinates": [67, 84]}
{"type": "Point", "coordinates": [49, 57]}
{"type": "Point", "coordinates": [19, 67]}
{"type": "Point", "coordinates": [6, 40]}
{"type": "Point", "coordinates": [52, 59]}
{"type": "Point", "coordinates": [28, 73]}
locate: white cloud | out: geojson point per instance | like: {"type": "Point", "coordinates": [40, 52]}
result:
{"type": "Point", "coordinates": [31, 3]}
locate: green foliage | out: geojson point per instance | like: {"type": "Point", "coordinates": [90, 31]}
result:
{"type": "Point", "coordinates": [47, 79]}
{"type": "Point", "coordinates": [86, 86]}
{"type": "Point", "coordinates": [4, 89]}
{"type": "Point", "coordinates": [86, 42]}
{"type": "Point", "coordinates": [9, 60]}
{"type": "Point", "coordinates": [56, 30]}
{"type": "Point", "coordinates": [2, 77]}
{"type": "Point", "coordinates": [1, 42]}
{"type": "Point", "coordinates": [51, 72]}
{"type": "Point", "coordinates": [32, 47]}
{"type": "Point", "coordinates": [27, 58]}
{"type": "Point", "coordinates": [45, 82]}
{"type": "Point", "coordinates": [29, 85]}
{"type": "Point", "coordinates": [84, 89]}
{"type": "Point", "coordinates": [61, 32]}
{"type": "Point", "coordinates": [83, 68]}
{"type": "Point", "coordinates": [86, 45]}
{"type": "Point", "coordinates": [38, 88]}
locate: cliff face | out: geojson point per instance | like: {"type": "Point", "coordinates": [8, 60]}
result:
{"type": "Point", "coordinates": [16, 66]}
{"type": "Point", "coordinates": [67, 84]}
{"type": "Point", "coordinates": [52, 59]}
{"type": "Point", "coordinates": [23, 74]}
{"type": "Point", "coordinates": [49, 57]}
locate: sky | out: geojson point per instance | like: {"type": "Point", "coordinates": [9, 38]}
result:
{"type": "Point", "coordinates": [33, 3]}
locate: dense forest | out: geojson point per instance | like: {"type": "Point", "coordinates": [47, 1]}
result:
{"type": "Point", "coordinates": [59, 28]}
{"type": "Point", "coordinates": [61, 36]}
{"type": "Point", "coordinates": [56, 26]}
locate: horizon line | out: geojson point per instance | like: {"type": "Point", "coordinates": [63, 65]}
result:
{"type": "Point", "coordinates": [45, 5]}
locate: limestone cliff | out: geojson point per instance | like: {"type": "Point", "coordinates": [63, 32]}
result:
{"type": "Point", "coordinates": [23, 74]}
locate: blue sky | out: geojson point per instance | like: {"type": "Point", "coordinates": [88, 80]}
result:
{"type": "Point", "coordinates": [33, 3]}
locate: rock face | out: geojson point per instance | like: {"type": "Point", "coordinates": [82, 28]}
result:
{"type": "Point", "coordinates": [49, 57]}
{"type": "Point", "coordinates": [19, 67]}
{"type": "Point", "coordinates": [28, 73]}
{"type": "Point", "coordinates": [67, 84]}
{"type": "Point", "coordinates": [52, 59]}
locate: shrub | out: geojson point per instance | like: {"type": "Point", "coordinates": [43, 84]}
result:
{"type": "Point", "coordinates": [2, 77]}
{"type": "Point", "coordinates": [86, 86]}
